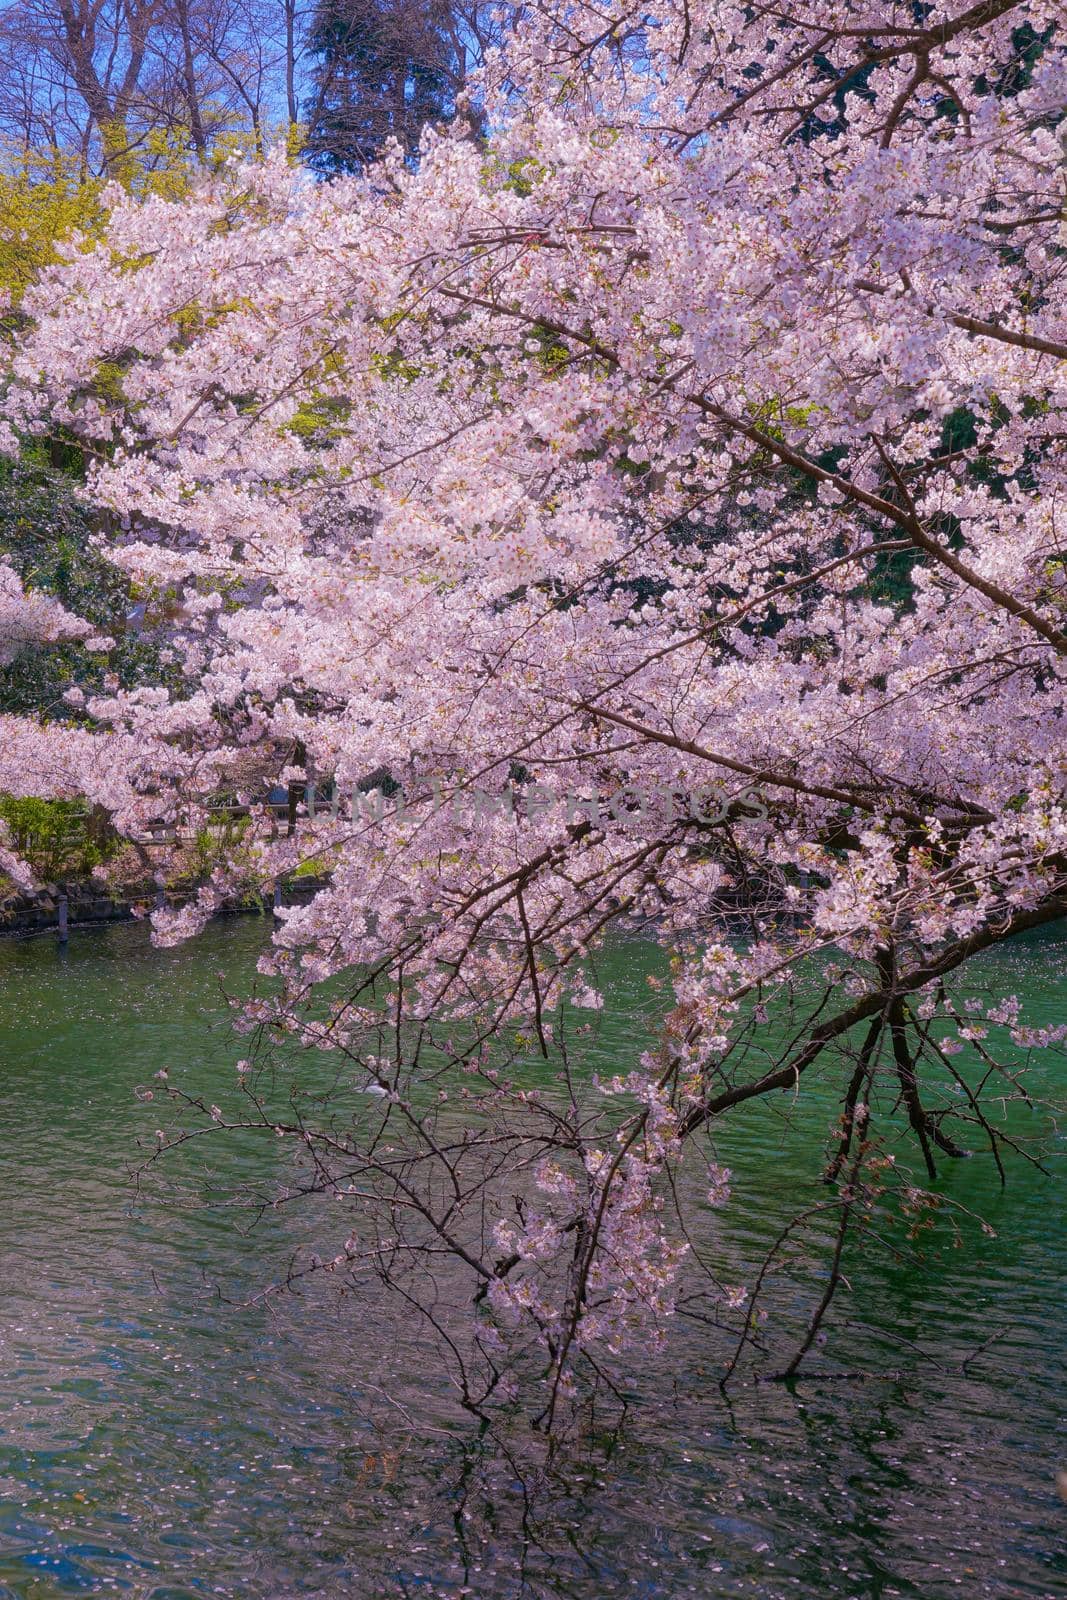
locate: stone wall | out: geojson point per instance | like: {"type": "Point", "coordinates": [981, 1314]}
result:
{"type": "Point", "coordinates": [88, 907]}
{"type": "Point", "coordinates": [39, 913]}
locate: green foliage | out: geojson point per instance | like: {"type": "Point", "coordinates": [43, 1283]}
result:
{"type": "Point", "coordinates": [45, 534]}
{"type": "Point", "coordinates": [58, 838]}
{"type": "Point", "coordinates": [47, 196]}
{"type": "Point", "coordinates": [44, 197]}
{"type": "Point", "coordinates": [890, 581]}
{"type": "Point", "coordinates": [215, 843]}
{"type": "Point", "coordinates": [320, 421]}
{"type": "Point", "coordinates": [523, 174]}
{"type": "Point", "coordinates": [313, 867]}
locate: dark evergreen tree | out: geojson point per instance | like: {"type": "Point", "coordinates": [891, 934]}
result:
{"type": "Point", "coordinates": [385, 69]}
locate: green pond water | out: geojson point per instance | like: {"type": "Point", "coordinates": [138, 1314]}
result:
{"type": "Point", "coordinates": [164, 1434]}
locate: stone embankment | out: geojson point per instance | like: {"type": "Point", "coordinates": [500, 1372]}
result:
{"type": "Point", "coordinates": [58, 906]}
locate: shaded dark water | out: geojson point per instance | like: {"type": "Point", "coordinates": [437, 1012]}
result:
{"type": "Point", "coordinates": [157, 1440]}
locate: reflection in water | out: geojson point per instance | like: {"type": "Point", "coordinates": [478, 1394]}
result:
{"type": "Point", "coordinates": [162, 1438]}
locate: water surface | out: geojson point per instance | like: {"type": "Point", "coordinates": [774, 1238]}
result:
{"type": "Point", "coordinates": [165, 1435]}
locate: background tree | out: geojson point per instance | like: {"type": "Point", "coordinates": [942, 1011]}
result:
{"type": "Point", "coordinates": [82, 67]}
{"type": "Point", "coordinates": [384, 69]}
{"type": "Point", "coordinates": [116, 82]}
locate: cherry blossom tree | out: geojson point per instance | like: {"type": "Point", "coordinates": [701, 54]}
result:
{"type": "Point", "coordinates": [653, 518]}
